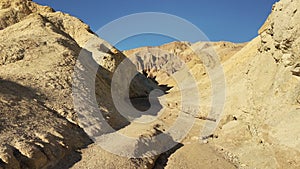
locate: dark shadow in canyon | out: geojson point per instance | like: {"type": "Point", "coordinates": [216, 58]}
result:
{"type": "Point", "coordinates": [143, 103]}
{"type": "Point", "coordinates": [15, 101]}
{"type": "Point", "coordinates": [102, 82]}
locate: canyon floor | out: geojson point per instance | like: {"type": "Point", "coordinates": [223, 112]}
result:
{"type": "Point", "coordinates": [219, 104]}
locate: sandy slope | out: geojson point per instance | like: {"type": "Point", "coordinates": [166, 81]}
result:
{"type": "Point", "coordinates": [39, 49]}
{"type": "Point", "coordinates": [39, 126]}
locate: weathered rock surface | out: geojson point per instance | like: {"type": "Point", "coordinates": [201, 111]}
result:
{"type": "Point", "coordinates": [258, 128]}
{"type": "Point", "coordinates": [171, 57]}
{"type": "Point", "coordinates": [38, 51]}
{"type": "Point", "coordinates": [39, 126]}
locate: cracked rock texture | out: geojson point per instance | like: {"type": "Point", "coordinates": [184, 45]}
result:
{"type": "Point", "coordinates": [40, 127]}
{"type": "Point", "coordinates": [259, 124]}
{"type": "Point", "coordinates": [38, 52]}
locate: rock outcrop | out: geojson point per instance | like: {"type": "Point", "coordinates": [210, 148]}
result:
{"type": "Point", "coordinates": [162, 61]}
{"type": "Point", "coordinates": [280, 33]}
{"type": "Point", "coordinates": [39, 126]}
{"type": "Point", "coordinates": [258, 128]}
{"type": "Point", "coordinates": [38, 52]}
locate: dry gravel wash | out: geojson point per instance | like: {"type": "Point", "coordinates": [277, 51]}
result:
{"type": "Point", "coordinates": [259, 127]}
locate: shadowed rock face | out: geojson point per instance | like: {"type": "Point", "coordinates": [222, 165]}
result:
{"type": "Point", "coordinates": [38, 51]}
{"type": "Point", "coordinates": [259, 123]}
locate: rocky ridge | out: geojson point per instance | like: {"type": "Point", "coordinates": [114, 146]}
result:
{"type": "Point", "coordinates": [258, 128]}
{"type": "Point", "coordinates": [39, 49]}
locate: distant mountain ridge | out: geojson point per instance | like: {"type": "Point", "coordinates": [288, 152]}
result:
{"type": "Point", "coordinates": [39, 126]}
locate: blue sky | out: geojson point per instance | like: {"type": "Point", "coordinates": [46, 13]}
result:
{"type": "Point", "coordinates": [220, 20]}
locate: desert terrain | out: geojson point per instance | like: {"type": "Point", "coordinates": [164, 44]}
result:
{"type": "Point", "coordinates": [56, 74]}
